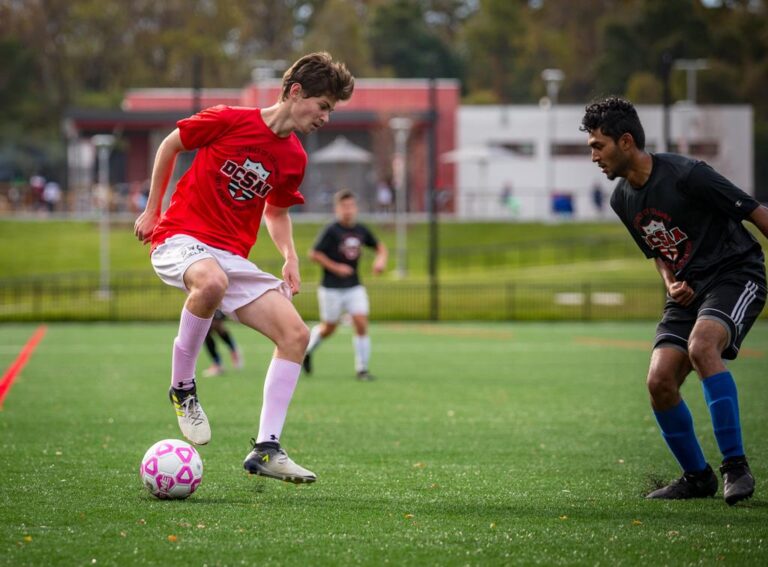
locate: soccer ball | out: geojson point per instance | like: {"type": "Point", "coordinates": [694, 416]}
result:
{"type": "Point", "coordinates": [171, 469]}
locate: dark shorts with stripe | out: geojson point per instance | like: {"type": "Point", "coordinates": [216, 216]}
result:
{"type": "Point", "coordinates": [736, 300]}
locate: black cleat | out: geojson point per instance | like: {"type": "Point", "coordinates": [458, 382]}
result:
{"type": "Point", "coordinates": [307, 363]}
{"type": "Point", "coordinates": [738, 482]}
{"type": "Point", "coordinates": [365, 376]}
{"type": "Point", "coordinates": [702, 484]}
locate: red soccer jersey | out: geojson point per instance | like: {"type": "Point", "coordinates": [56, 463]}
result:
{"type": "Point", "coordinates": [240, 166]}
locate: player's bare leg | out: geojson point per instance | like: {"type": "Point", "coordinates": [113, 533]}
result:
{"type": "Point", "coordinates": [274, 316]}
{"type": "Point", "coordinates": [668, 370]}
{"type": "Point", "coordinates": [362, 345]}
{"type": "Point", "coordinates": [207, 284]}
{"type": "Point", "coordinates": [708, 340]}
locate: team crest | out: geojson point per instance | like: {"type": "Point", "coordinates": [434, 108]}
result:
{"type": "Point", "coordinates": [350, 247]}
{"type": "Point", "coordinates": [665, 241]}
{"type": "Point", "coordinates": [248, 180]}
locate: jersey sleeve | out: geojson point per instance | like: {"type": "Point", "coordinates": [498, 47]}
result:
{"type": "Point", "coordinates": [324, 241]}
{"type": "Point", "coordinates": [706, 184]}
{"type": "Point", "coordinates": [369, 239]}
{"type": "Point", "coordinates": [285, 198]}
{"type": "Point", "coordinates": [204, 127]}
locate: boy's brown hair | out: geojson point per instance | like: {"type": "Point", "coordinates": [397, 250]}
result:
{"type": "Point", "coordinates": [318, 74]}
{"type": "Point", "coordinates": [342, 195]}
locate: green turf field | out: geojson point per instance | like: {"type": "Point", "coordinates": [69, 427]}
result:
{"type": "Point", "coordinates": [505, 444]}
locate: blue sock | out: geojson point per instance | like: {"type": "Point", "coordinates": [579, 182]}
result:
{"type": "Point", "coordinates": [677, 429]}
{"type": "Point", "coordinates": [723, 402]}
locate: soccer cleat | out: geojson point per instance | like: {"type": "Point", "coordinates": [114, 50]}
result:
{"type": "Point", "coordinates": [192, 419]}
{"type": "Point", "coordinates": [738, 482]}
{"type": "Point", "coordinates": [702, 484]}
{"type": "Point", "coordinates": [213, 370]}
{"type": "Point", "coordinates": [307, 363]}
{"type": "Point", "coordinates": [272, 461]}
{"type": "Point", "coordinates": [365, 376]}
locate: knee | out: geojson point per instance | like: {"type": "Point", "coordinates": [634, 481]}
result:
{"type": "Point", "coordinates": [295, 337]}
{"type": "Point", "coordinates": [702, 353]}
{"type": "Point", "coordinates": [211, 287]}
{"type": "Point", "coordinates": [663, 389]}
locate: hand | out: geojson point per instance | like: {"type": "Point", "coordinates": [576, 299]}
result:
{"type": "Point", "coordinates": [343, 270]}
{"type": "Point", "coordinates": [681, 293]}
{"type": "Point", "coordinates": [378, 267]}
{"type": "Point", "coordinates": [291, 275]}
{"type": "Point", "coordinates": [144, 226]}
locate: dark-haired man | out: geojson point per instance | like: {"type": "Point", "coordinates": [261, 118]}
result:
{"type": "Point", "coordinates": [687, 217]}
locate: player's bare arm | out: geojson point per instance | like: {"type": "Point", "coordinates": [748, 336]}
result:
{"type": "Point", "coordinates": [280, 229]}
{"type": "Point", "coordinates": [338, 268]}
{"type": "Point", "coordinates": [165, 160]}
{"type": "Point", "coordinates": [679, 291]}
{"type": "Point", "coordinates": [759, 218]}
{"type": "Point", "coordinates": [380, 262]}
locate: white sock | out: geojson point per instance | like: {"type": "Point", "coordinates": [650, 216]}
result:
{"type": "Point", "coordinates": [186, 348]}
{"type": "Point", "coordinates": [362, 352]}
{"type": "Point", "coordinates": [279, 385]}
{"type": "Point", "coordinates": [314, 338]}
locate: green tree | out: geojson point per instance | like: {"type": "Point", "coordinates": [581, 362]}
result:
{"type": "Point", "coordinates": [402, 44]}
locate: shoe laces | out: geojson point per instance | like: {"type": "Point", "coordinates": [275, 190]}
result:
{"type": "Point", "coordinates": [192, 409]}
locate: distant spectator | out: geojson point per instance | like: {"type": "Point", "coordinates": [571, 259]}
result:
{"type": "Point", "coordinates": [36, 187]}
{"type": "Point", "coordinates": [51, 195]}
{"type": "Point", "coordinates": [384, 196]}
{"type": "Point", "coordinates": [598, 198]}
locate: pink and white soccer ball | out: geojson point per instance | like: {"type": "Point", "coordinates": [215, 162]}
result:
{"type": "Point", "coordinates": [171, 469]}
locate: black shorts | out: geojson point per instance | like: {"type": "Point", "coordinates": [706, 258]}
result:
{"type": "Point", "coordinates": [736, 300]}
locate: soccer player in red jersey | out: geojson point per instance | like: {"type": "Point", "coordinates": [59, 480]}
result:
{"type": "Point", "coordinates": [249, 164]}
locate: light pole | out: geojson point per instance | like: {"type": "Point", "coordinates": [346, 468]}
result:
{"type": "Point", "coordinates": [688, 106]}
{"type": "Point", "coordinates": [103, 144]}
{"type": "Point", "coordinates": [401, 127]}
{"type": "Point", "coordinates": [552, 78]}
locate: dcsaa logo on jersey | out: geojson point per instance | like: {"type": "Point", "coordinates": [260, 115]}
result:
{"type": "Point", "coordinates": [247, 180]}
{"type": "Point", "coordinates": [665, 241]}
{"type": "Point", "coordinates": [350, 247]}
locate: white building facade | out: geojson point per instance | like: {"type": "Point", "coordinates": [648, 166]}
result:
{"type": "Point", "coordinates": [532, 162]}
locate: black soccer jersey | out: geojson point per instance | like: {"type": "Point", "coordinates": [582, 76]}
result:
{"type": "Point", "coordinates": [690, 216]}
{"type": "Point", "coordinates": [344, 244]}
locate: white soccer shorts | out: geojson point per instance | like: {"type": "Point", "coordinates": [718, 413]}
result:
{"type": "Point", "coordinates": [334, 302]}
{"type": "Point", "coordinates": [246, 281]}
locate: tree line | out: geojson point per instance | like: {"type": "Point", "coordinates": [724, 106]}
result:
{"type": "Point", "coordinates": [57, 54]}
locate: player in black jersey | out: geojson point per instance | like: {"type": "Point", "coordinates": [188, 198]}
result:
{"type": "Point", "coordinates": [687, 217]}
{"type": "Point", "coordinates": [338, 250]}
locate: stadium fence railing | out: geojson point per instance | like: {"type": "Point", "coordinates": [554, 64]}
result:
{"type": "Point", "coordinates": [140, 296]}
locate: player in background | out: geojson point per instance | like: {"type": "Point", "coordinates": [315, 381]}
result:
{"type": "Point", "coordinates": [249, 164]}
{"type": "Point", "coordinates": [687, 217]}
{"type": "Point", "coordinates": [218, 328]}
{"type": "Point", "coordinates": [338, 250]}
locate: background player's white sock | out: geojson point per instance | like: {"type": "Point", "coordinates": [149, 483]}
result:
{"type": "Point", "coordinates": [362, 352]}
{"type": "Point", "coordinates": [314, 338]}
{"type": "Point", "coordinates": [186, 348]}
{"type": "Point", "coordinates": [279, 385]}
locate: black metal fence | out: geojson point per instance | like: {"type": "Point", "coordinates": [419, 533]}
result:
{"type": "Point", "coordinates": [140, 296]}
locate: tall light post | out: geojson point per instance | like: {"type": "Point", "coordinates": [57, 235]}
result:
{"type": "Point", "coordinates": [401, 126]}
{"type": "Point", "coordinates": [552, 78]}
{"type": "Point", "coordinates": [103, 144]}
{"type": "Point", "coordinates": [688, 106]}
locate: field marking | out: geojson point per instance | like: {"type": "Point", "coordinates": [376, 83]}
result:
{"type": "Point", "coordinates": [15, 368]}
{"type": "Point", "coordinates": [646, 345]}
